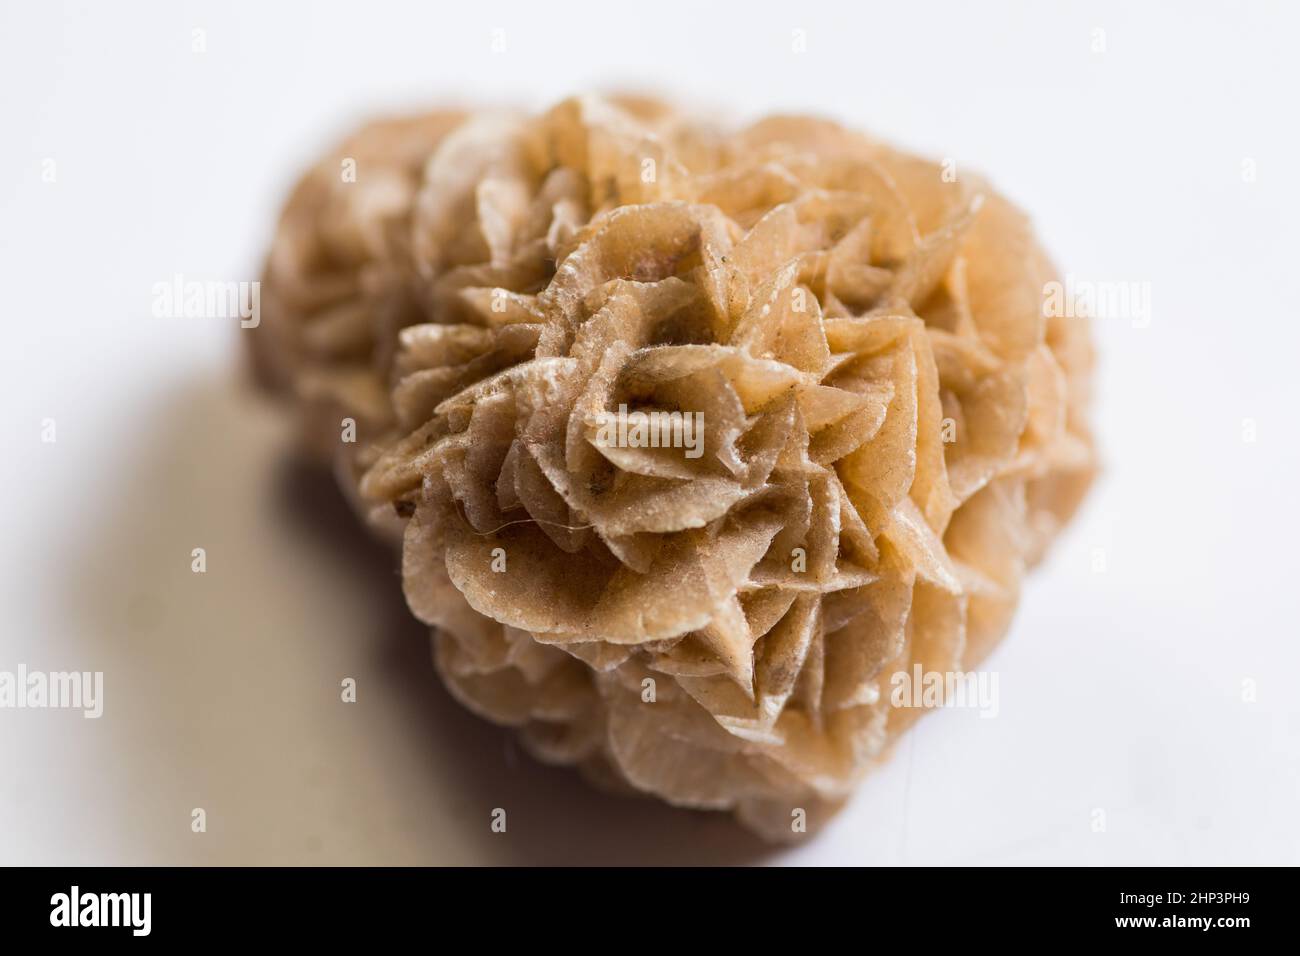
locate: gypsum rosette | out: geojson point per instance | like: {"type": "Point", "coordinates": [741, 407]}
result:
{"type": "Point", "coordinates": [892, 430]}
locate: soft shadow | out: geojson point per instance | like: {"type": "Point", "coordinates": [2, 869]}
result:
{"type": "Point", "coordinates": [224, 686]}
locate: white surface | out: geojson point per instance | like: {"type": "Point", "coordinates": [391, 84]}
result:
{"type": "Point", "coordinates": [1120, 691]}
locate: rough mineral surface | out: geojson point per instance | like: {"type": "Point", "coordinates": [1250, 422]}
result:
{"type": "Point", "coordinates": [892, 428]}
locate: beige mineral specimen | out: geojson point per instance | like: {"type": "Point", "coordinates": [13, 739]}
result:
{"type": "Point", "coordinates": [890, 430]}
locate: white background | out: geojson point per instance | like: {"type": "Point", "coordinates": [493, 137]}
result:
{"type": "Point", "coordinates": [1121, 689]}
